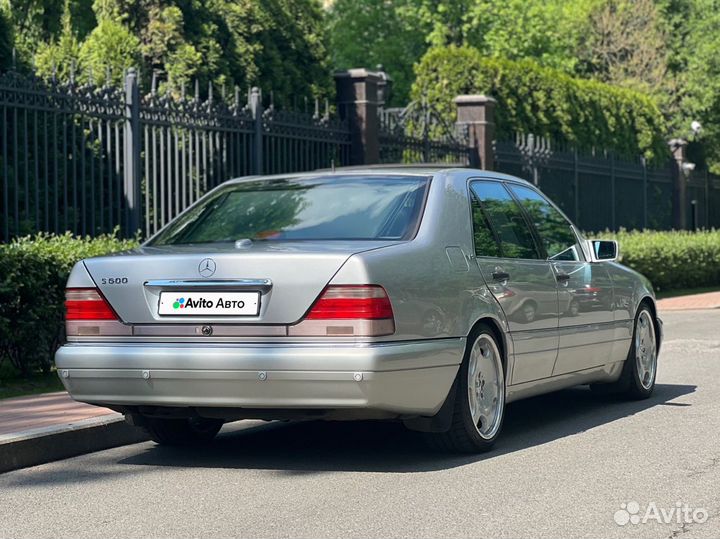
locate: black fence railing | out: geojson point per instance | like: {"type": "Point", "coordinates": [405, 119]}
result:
{"type": "Point", "coordinates": [88, 159]}
{"type": "Point", "coordinates": [599, 191]}
{"type": "Point", "coordinates": [417, 134]}
{"type": "Point", "coordinates": [60, 156]}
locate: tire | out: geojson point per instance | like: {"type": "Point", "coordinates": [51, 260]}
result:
{"type": "Point", "coordinates": [480, 381]}
{"type": "Point", "coordinates": [637, 380]}
{"type": "Point", "coordinates": [186, 431]}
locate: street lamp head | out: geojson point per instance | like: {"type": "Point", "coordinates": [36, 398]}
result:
{"type": "Point", "coordinates": [696, 127]}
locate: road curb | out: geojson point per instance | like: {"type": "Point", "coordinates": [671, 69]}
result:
{"type": "Point", "coordinates": [47, 444]}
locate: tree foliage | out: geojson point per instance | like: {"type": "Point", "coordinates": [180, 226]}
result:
{"type": "Point", "coordinates": [624, 44]}
{"type": "Point", "coordinates": [375, 33]}
{"type": "Point", "coordinates": [397, 33]}
{"type": "Point", "coordinates": [544, 101]}
{"type": "Point", "coordinates": [693, 29]}
{"type": "Point", "coordinates": [667, 49]}
{"type": "Point", "coordinates": [108, 50]}
{"type": "Point", "coordinates": [277, 44]}
{"type": "Point", "coordinates": [6, 40]}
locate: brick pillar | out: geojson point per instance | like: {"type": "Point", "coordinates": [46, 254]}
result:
{"type": "Point", "coordinates": [477, 114]}
{"type": "Point", "coordinates": [678, 147]}
{"type": "Point", "coordinates": [357, 100]}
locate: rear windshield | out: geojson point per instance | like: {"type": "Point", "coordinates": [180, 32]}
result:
{"type": "Point", "coordinates": [324, 208]}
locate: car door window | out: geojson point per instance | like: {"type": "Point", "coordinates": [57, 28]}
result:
{"type": "Point", "coordinates": [486, 244]}
{"type": "Point", "coordinates": [555, 231]}
{"type": "Point", "coordinates": [504, 216]}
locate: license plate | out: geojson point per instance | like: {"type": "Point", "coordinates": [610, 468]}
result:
{"type": "Point", "coordinates": [209, 303]}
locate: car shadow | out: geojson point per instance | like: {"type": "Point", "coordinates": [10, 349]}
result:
{"type": "Point", "coordinates": [374, 446]}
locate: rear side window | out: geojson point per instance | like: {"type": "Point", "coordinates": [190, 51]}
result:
{"type": "Point", "coordinates": [486, 243]}
{"type": "Point", "coordinates": [324, 208]}
{"type": "Point", "coordinates": [506, 219]}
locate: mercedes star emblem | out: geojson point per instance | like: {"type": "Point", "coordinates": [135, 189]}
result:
{"type": "Point", "coordinates": [207, 267]}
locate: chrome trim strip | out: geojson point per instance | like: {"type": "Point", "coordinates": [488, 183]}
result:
{"type": "Point", "coordinates": [218, 330]}
{"type": "Point", "coordinates": [220, 284]}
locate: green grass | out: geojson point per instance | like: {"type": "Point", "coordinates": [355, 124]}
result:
{"type": "Point", "coordinates": [686, 292]}
{"type": "Point", "coordinates": [12, 385]}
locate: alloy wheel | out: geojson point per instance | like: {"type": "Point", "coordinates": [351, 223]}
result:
{"type": "Point", "coordinates": [645, 349]}
{"type": "Point", "coordinates": [486, 386]}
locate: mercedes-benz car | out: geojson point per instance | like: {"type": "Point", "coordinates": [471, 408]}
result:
{"type": "Point", "coordinates": [428, 296]}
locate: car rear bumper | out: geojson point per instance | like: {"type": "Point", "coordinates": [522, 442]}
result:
{"type": "Point", "coordinates": [410, 377]}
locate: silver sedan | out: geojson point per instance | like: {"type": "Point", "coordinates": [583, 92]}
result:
{"type": "Point", "coordinates": [427, 296]}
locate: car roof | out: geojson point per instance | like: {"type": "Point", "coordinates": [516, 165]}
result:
{"type": "Point", "coordinates": [421, 169]}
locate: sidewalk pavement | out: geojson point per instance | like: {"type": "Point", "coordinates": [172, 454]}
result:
{"type": "Point", "coordinates": [708, 300]}
{"type": "Point", "coordinates": [37, 411]}
{"type": "Point", "coordinates": [52, 426]}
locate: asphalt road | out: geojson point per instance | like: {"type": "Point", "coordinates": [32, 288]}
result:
{"type": "Point", "coordinates": [565, 464]}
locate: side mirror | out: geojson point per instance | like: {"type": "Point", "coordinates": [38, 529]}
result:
{"type": "Point", "coordinates": [603, 250]}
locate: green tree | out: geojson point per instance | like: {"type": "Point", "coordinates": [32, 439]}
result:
{"type": "Point", "coordinates": [369, 33]}
{"type": "Point", "coordinates": [515, 29]}
{"type": "Point", "coordinates": [109, 49]}
{"type": "Point", "coordinates": [694, 61]}
{"type": "Point", "coordinates": [276, 44]}
{"type": "Point", "coordinates": [59, 57]}
{"type": "Point", "coordinates": [6, 40]}
{"type": "Point", "coordinates": [444, 22]}
{"type": "Point", "coordinates": [396, 33]}
{"type": "Point", "coordinates": [624, 43]}
{"type": "Point", "coordinates": [33, 22]}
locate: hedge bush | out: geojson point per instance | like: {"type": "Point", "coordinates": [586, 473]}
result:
{"type": "Point", "coordinates": [32, 284]}
{"type": "Point", "coordinates": [672, 260]}
{"type": "Point", "coordinates": [544, 101]}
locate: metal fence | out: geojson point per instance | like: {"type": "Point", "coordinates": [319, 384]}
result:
{"type": "Point", "coordinates": [58, 156]}
{"type": "Point", "coordinates": [418, 134]}
{"type": "Point", "coordinates": [605, 191]}
{"type": "Point", "coordinates": [88, 159]}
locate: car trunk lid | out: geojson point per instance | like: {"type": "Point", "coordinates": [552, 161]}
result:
{"type": "Point", "coordinates": [286, 277]}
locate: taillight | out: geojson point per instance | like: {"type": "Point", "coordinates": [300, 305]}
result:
{"type": "Point", "coordinates": [349, 310]}
{"type": "Point", "coordinates": [87, 304]}
{"type": "Point", "coordinates": [88, 314]}
{"type": "Point", "coordinates": [348, 302]}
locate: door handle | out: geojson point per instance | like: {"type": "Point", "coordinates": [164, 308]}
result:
{"type": "Point", "coordinates": [562, 277]}
{"type": "Point", "coordinates": [500, 276]}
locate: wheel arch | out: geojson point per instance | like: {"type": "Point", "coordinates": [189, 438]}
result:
{"type": "Point", "coordinates": [652, 305]}
{"type": "Point", "coordinates": [500, 337]}
{"type": "Point", "coordinates": [441, 421]}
